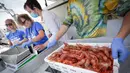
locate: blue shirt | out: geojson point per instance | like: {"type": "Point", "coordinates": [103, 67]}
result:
{"type": "Point", "coordinates": [16, 36]}
{"type": "Point", "coordinates": [33, 31]}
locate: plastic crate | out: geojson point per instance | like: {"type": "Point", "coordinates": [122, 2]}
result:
{"type": "Point", "coordinates": [72, 69]}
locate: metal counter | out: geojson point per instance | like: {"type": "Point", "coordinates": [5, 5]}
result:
{"type": "Point", "coordinates": [39, 63]}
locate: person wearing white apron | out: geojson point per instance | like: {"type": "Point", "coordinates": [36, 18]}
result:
{"type": "Point", "coordinates": [50, 19]}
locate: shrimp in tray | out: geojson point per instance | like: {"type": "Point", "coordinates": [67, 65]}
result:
{"type": "Point", "coordinates": [97, 58]}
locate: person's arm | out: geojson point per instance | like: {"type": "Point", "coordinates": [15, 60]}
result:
{"type": "Point", "coordinates": [61, 32]}
{"type": "Point", "coordinates": [10, 43]}
{"type": "Point", "coordinates": [40, 29]}
{"type": "Point", "coordinates": [58, 33]}
{"type": "Point", "coordinates": [119, 50]}
{"type": "Point", "coordinates": [22, 33]}
{"type": "Point", "coordinates": [21, 42]}
{"type": "Point", "coordinates": [66, 24]}
{"type": "Point", "coordinates": [125, 29]}
{"type": "Point", "coordinates": [39, 36]}
{"type": "Point", "coordinates": [41, 46]}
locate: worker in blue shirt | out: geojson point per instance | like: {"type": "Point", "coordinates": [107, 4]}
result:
{"type": "Point", "coordinates": [34, 31]}
{"type": "Point", "coordinates": [15, 36]}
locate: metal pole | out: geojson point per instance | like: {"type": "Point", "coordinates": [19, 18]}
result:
{"type": "Point", "coordinates": [46, 3]}
{"type": "Point", "coordinates": [6, 9]}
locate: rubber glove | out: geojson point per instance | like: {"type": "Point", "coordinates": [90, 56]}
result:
{"type": "Point", "coordinates": [52, 43]}
{"type": "Point", "coordinates": [28, 43]}
{"type": "Point", "coordinates": [118, 50]}
{"type": "Point", "coordinates": [14, 46]}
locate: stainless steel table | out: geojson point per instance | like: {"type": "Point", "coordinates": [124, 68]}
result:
{"type": "Point", "coordinates": [38, 61]}
{"type": "Point", "coordinates": [34, 65]}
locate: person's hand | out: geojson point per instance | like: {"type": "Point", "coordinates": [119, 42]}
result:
{"type": "Point", "coordinates": [28, 43]}
{"type": "Point", "coordinates": [49, 35]}
{"type": "Point", "coordinates": [14, 46]}
{"type": "Point", "coordinates": [51, 43]}
{"type": "Point", "coordinates": [118, 49]}
{"type": "Point", "coordinates": [19, 43]}
{"type": "Point", "coordinates": [40, 47]}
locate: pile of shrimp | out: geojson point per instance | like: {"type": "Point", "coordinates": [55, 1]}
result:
{"type": "Point", "coordinates": [97, 58]}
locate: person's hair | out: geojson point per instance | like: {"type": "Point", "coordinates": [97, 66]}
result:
{"type": "Point", "coordinates": [11, 21]}
{"type": "Point", "coordinates": [32, 4]}
{"type": "Point", "coordinates": [24, 16]}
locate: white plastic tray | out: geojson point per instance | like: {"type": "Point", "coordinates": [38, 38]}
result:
{"type": "Point", "coordinates": [72, 69]}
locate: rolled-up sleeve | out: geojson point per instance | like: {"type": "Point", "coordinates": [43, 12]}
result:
{"type": "Point", "coordinates": [68, 19]}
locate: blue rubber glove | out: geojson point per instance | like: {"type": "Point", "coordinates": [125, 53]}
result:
{"type": "Point", "coordinates": [28, 43]}
{"type": "Point", "coordinates": [11, 47]}
{"type": "Point", "coordinates": [118, 50]}
{"type": "Point", "coordinates": [14, 46]}
{"type": "Point", "coordinates": [52, 43]}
